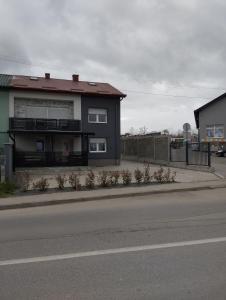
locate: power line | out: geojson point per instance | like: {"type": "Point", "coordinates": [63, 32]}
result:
{"type": "Point", "coordinates": [165, 95]}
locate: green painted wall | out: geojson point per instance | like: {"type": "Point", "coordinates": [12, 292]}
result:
{"type": "Point", "coordinates": [4, 117]}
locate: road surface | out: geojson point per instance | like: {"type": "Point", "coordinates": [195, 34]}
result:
{"type": "Point", "coordinates": [151, 247]}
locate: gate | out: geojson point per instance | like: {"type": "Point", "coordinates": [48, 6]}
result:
{"type": "Point", "coordinates": [191, 153]}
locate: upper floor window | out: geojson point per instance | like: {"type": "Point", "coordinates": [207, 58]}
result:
{"type": "Point", "coordinates": [215, 131]}
{"type": "Point", "coordinates": [97, 115]}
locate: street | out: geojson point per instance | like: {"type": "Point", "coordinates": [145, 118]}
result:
{"type": "Point", "coordinates": [151, 247]}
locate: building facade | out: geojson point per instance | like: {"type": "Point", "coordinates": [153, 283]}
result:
{"type": "Point", "coordinates": [55, 122]}
{"type": "Point", "coordinates": [211, 120]}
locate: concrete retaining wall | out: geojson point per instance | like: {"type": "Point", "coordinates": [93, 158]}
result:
{"type": "Point", "coordinates": [146, 148]}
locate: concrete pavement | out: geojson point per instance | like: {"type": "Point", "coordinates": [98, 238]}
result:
{"type": "Point", "coordinates": [56, 198]}
{"type": "Point", "coordinates": [182, 175]}
{"type": "Point", "coordinates": [195, 271]}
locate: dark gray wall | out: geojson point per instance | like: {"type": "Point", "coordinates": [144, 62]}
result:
{"type": "Point", "coordinates": [214, 114]}
{"type": "Point", "coordinates": [110, 131]}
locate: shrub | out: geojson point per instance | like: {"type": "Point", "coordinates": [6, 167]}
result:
{"type": "Point", "coordinates": [126, 177]}
{"type": "Point", "coordinates": [147, 176]}
{"type": "Point", "coordinates": [90, 180]}
{"type": "Point", "coordinates": [103, 179]}
{"type": "Point", "coordinates": [74, 181]}
{"type": "Point", "coordinates": [173, 176]}
{"type": "Point", "coordinates": [7, 188]}
{"type": "Point", "coordinates": [159, 175]}
{"type": "Point", "coordinates": [41, 185]}
{"type": "Point", "coordinates": [164, 176]}
{"type": "Point", "coordinates": [61, 180]}
{"type": "Point", "coordinates": [138, 175]}
{"type": "Point", "coordinates": [170, 176]}
{"type": "Point", "coordinates": [114, 177]}
{"type": "Point", "coordinates": [24, 181]}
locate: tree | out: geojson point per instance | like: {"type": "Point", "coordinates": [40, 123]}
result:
{"type": "Point", "coordinates": [165, 132]}
{"type": "Point", "coordinates": [143, 130]}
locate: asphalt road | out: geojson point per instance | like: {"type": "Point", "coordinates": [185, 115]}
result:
{"type": "Point", "coordinates": [153, 247]}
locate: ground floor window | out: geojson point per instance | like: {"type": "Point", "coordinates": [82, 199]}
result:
{"type": "Point", "coordinates": [97, 145]}
{"type": "Point", "coordinates": [215, 131]}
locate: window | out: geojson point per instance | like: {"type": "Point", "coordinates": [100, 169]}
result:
{"type": "Point", "coordinates": [40, 146]}
{"type": "Point", "coordinates": [97, 145]}
{"type": "Point", "coordinates": [97, 115]}
{"type": "Point", "coordinates": [215, 131]}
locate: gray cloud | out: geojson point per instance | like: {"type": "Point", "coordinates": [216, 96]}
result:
{"type": "Point", "coordinates": [144, 45]}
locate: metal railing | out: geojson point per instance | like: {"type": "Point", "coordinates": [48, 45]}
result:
{"type": "Point", "coordinates": [50, 159]}
{"type": "Point", "coordinates": [191, 153]}
{"type": "Point", "coordinates": [30, 124]}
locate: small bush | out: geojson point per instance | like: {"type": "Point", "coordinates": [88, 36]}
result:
{"type": "Point", "coordinates": [41, 185]}
{"type": "Point", "coordinates": [164, 176]}
{"type": "Point", "coordinates": [90, 180]}
{"type": "Point", "coordinates": [170, 176]}
{"type": "Point", "coordinates": [114, 177]}
{"type": "Point", "coordinates": [61, 180]}
{"type": "Point", "coordinates": [173, 176]}
{"type": "Point", "coordinates": [74, 181]}
{"type": "Point", "coordinates": [147, 173]}
{"type": "Point", "coordinates": [24, 181]}
{"type": "Point", "coordinates": [103, 179]}
{"type": "Point", "coordinates": [138, 175]}
{"type": "Point", "coordinates": [159, 175]}
{"type": "Point", "coordinates": [126, 177]}
{"type": "Point", "coordinates": [7, 188]}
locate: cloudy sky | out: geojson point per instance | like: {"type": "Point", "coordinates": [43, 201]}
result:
{"type": "Point", "coordinates": [168, 56]}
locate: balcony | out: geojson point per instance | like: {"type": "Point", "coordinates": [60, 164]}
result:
{"type": "Point", "coordinates": [29, 124]}
{"type": "Point", "coordinates": [50, 159]}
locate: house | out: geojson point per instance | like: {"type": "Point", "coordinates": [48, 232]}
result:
{"type": "Point", "coordinates": [58, 122]}
{"type": "Point", "coordinates": [211, 120]}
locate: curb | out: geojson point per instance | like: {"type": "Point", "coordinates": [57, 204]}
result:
{"type": "Point", "coordinates": [105, 197]}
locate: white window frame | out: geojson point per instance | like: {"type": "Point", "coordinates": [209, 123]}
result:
{"type": "Point", "coordinates": [98, 141]}
{"type": "Point", "coordinates": [97, 112]}
{"type": "Point", "coordinates": [214, 128]}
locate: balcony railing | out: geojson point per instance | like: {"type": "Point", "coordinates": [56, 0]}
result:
{"type": "Point", "coordinates": [50, 159]}
{"type": "Point", "coordinates": [29, 124]}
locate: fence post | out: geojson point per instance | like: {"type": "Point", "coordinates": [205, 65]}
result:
{"type": "Point", "coordinates": [186, 153]}
{"type": "Point", "coordinates": [209, 155]}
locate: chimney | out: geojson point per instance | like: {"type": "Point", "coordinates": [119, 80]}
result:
{"type": "Point", "coordinates": [47, 75]}
{"type": "Point", "coordinates": [75, 77]}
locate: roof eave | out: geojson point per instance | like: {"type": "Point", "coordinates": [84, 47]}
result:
{"type": "Point", "coordinates": [67, 91]}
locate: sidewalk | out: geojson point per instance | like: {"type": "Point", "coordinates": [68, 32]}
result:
{"type": "Point", "coordinates": [104, 194]}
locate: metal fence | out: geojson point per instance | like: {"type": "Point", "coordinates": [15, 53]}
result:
{"type": "Point", "coordinates": [198, 153]}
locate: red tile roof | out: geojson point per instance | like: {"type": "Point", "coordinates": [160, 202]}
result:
{"type": "Point", "coordinates": [63, 85]}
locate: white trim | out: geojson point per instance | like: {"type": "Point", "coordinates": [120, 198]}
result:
{"type": "Point", "coordinates": [98, 141]}
{"type": "Point", "coordinates": [97, 112]}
